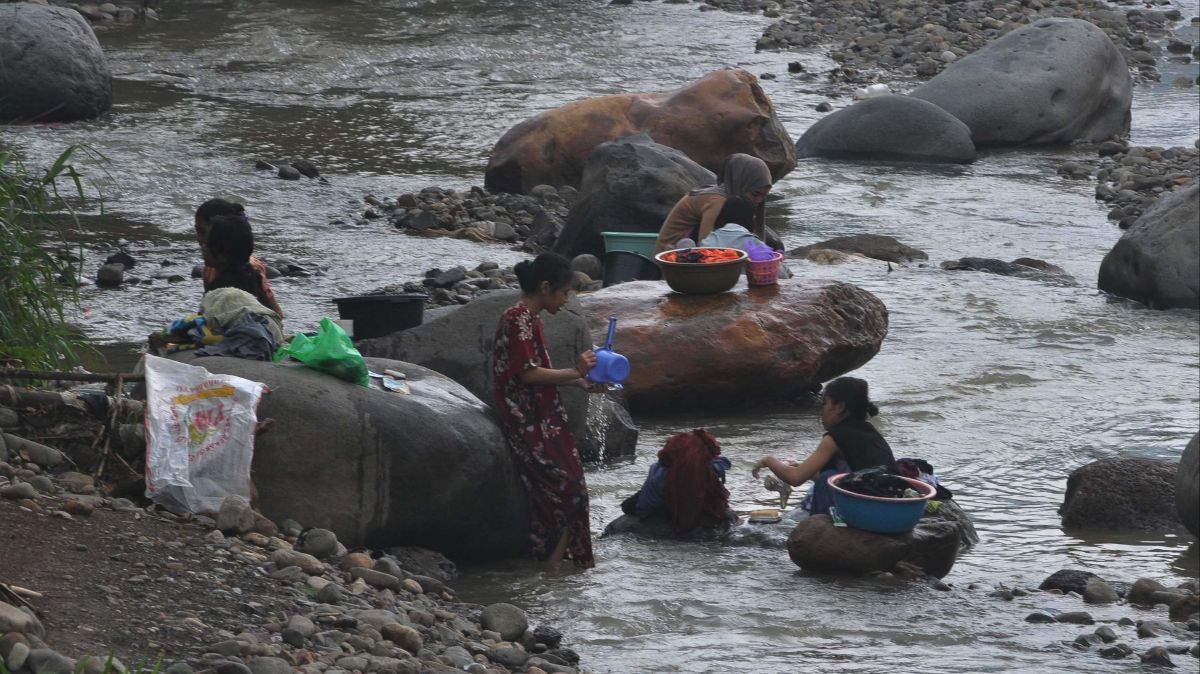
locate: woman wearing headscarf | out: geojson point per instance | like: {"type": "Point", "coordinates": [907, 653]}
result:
{"type": "Point", "coordinates": [695, 215]}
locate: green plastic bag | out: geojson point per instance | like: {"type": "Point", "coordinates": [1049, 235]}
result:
{"type": "Point", "coordinates": [331, 351]}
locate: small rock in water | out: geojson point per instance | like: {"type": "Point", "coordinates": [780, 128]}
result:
{"type": "Point", "coordinates": [110, 275]}
{"type": "Point", "coordinates": [1076, 618]}
{"type": "Point", "coordinates": [1086, 642]}
{"type": "Point", "coordinates": [544, 634]}
{"type": "Point", "coordinates": [289, 173]}
{"type": "Point", "coordinates": [1157, 656]}
{"type": "Point", "coordinates": [121, 258]}
{"type": "Point", "coordinates": [824, 106]}
{"type": "Point", "coordinates": [1099, 592]}
{"type": "Point", "coordinates": [795, 67]}
{"type": "Point", "coordinates": [1142, 591]}
{"type": "Point", "coordinates": [305, 167]}
{"type": "Point", "coordinates": [1040, 617]}
{"type": "Point", "coordinates": [1106, 634]}
{"type": "Point", "coordinates": [262, 165]}
{"type": "Point", "coordinates": [1116, 652]}
{"type": "Point", "coordinates": [1067, 580]}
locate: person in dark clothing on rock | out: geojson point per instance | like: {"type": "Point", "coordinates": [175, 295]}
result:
{"type": "Point", "coordinates": [850, 443]}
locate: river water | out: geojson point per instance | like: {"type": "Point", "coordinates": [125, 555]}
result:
{"type": "Point", "coordinates": [1004, 384]}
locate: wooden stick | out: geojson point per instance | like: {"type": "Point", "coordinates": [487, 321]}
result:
{"type": "Point", "coordinates": [10, 373]}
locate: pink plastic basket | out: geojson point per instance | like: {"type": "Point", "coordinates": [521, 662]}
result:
{"type": "Point", "coordinates": [764, 272]}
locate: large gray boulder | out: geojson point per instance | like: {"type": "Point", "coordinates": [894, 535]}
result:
{"type": "Point", "coordinates": [429, 469]}
{"type": "Point", "coordinates": [629, 185]}
{"type": "Point", "coordinates": [1187, 487]}
{"type": "Point", "coordinates": [1052, 81]}
{"type": "Point", "coordinates": [1121, 495]}
{"type": "Point", "coordinates": [897, 128]}
{"type": "Point", "coordinates": [1157, 261]}
{"type": "Point", "coordinates": [51, 66]}
{"type": "Point", "coordinates": [459, 345]}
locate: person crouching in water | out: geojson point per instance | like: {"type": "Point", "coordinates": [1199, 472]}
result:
{"type": "Point", "coordinates": [534, 420]}
{"type": "Point", "coordinates": [686, 485]}
{"type": "Point", "coordinates": [850, 443]}
{"type": "Point", "coordinates": [203, 222]}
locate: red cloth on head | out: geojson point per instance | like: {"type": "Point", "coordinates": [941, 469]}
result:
{"type": "Point", "coordinates": [695, 496]}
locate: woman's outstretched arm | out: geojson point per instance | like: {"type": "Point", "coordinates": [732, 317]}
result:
{"type": "Point", "coordinates": [797, 475]}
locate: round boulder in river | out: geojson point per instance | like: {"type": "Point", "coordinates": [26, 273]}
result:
{"type": "Point", "coordinates": [898, 128]}
{"type": "Point", "coordinates": [1157, 261]}
{"type": "Point", "coordinates": [732, 349]}
{"type": "Point", "coordinates": [717, 115]}
{"type": "Point", "coordinates": [430, 468]}
{"type": "Point", "coordinates": [1121, 495]}
{"type": "Point", "coordinates": [629, 185]}
{"type": "Point", "coordinates": [1053, 81]}
{"type": "Point", "coordinates": [51, 66]}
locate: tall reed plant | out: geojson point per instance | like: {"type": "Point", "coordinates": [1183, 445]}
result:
{"type": "Point", "coordinates": [37, 280]}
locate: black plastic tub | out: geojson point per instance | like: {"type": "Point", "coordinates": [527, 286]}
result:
{"type": "Point", "coordinates": [622, 265]}
{"type": "Point", "coordinates": [379, 315]}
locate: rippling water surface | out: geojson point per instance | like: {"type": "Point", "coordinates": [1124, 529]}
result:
{"type": "Point", "coordinates": [1004, 384]}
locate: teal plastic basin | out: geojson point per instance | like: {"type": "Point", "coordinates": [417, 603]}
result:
{"type": "Point", "coordinates": [634, 242]}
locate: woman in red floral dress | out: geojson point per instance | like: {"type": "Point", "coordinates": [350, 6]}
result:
{"type": "Point", "coordinates": [534, 420]}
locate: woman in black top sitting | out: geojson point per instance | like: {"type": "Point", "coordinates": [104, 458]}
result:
{"type": "Point", "coordinates": [850, 443]}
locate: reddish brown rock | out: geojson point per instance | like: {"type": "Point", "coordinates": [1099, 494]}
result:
{"type": "Point", "coordinates": [717, 115]}
{"type": "Point", "coordinates": [356, 560]}
{"type": "Point", "coordinates": [729, 349]}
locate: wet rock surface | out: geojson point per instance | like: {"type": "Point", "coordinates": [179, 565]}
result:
{"type": "Point", "coordinates": [52, 66]}
{"type": "Point", "coordinates": [1121, 495]}
{"type": "Point", "coordinates": [745, 345]}
{"type": "Point", "coordinates": [1157, 262]}
{"type": "Point", "coordinates": [719, 114]}
{"type": "Point", "coordinates": [890, 128]}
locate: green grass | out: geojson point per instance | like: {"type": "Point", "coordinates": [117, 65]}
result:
{"type": "Point", "coordinates": [33, 294]}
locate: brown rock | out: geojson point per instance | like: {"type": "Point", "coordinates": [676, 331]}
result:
{"type": "Point", "coordinates": [30, 504]}
{"type": "Point", "coordinates": [412, 586]}
{"type": "Point", "coordinates": [356, 560]}
{"type": "Point", "coordinates": [264, 526]}
{"type": "Point", "coordinates": [78, 508]}
{"type": "Point", "coordinates": [716, 351]}
{"type": "Point", "coordinates": [816, 545]}
{"type": "Point", "coordinates": [255, 538]}
{"type": "Point", "coordinates": [403, 636]}
{"type": "Point", "coordinates": [77, 483]}
{"type": "Point", "coordinates": [721, 113]}
{"type": "Point", "coordinates": [307, 563]}
{"type": "Point", "coordinates": [376, 578]}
